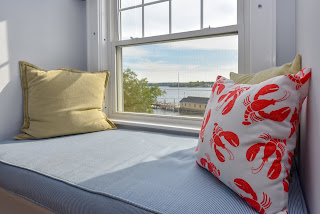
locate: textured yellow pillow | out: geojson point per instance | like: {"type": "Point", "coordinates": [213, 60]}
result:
{"type": "Point", "coordinates": [62, 102]}
{"type": "Point", "coordinates": [289, 68]}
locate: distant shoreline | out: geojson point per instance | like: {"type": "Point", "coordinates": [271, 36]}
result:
{"type": "Point", "coordinates": [185, 84]}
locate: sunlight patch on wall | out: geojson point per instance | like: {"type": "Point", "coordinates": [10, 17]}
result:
{"type": "Point", "coordinates": [4, 76]}
{"type": "Point", "coordinates": [4, 54]}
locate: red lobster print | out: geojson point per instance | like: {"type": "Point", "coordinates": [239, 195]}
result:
{"type": "Point", "coordinates": [231, 137]}
{"type": "Point", "coordinates": [295, 119]}
{"type": "Point", "coordinates": [255, 112]}
{"type": "Point", "coordinates": [204, 124]}
{"type": "Point", "coordinates": [272, 146]}
{"type": "Point", "coordinates": [231, 98]}
{"type": "Point", "coordinates": [253, 200]}
{"type": "Point", "coordinates": [206, 163]}
{"type": "Point", "coordinates": [286, 180]}
{"type": "Point", "coordinates": [301, 78]}
{"type": "Point", "coordinates": [218, 85]}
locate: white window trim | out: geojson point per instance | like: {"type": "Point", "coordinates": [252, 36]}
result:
{"type": "Point", "coordinates": [102, 54]}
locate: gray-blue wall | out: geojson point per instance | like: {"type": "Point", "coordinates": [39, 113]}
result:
{"type": "Point", "coordinates": [308, 44]}
{"type": "Point", "coordinates": [47, 33]}
{"type": "Point", "coordinates": [286, 31]}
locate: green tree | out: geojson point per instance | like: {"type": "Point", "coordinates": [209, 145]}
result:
{"type": "Point", "coordinates": [138, 95]}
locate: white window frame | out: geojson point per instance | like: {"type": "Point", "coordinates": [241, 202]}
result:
{"type": "Point", "coordinates": [102, 32]}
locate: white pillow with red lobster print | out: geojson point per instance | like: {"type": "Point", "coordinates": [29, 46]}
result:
{"type": "Point", "coordinates": [247, 138]}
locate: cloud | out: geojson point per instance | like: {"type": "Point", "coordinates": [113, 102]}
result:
{"type": "Point", "coordinates": [135, 52]}
{"type": "Point", "coordinates": [214, 43]}
{"type": "Point", "coordinates": [185, 15]}
{"type": "Point", "coordinates": [219, 13]}
{"type": "Point", "coordinates": [129, 3]}
{"type": "Point", "coordinates": [164, 72]}
{"type": "Point", "coordinates": [156, 19]}
{"type": "Point", "coordinates": [131, 23]}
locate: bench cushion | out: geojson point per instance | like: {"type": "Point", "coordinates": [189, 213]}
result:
{"type": "Point", "coordinates": [120, 171]}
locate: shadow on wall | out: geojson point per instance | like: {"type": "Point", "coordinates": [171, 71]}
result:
{"type": "Point", "coordinates": [10, 90]}
{"type": "Point", "coordinates": [10, 110]}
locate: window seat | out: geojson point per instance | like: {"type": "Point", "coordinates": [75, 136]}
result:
{"type": "Point", "coordinates": [120, 171]}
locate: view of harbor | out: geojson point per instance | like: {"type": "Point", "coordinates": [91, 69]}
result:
{"type": "Point", "coordinates": [174, 94]}
{"type": "Point", "coordinates": [175, 78]}
{"type": "Point", "coordinates": [170, 101]}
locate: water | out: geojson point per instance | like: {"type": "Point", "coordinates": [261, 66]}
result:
{"type": "Point", "coordinates": [175, 94]}
{"type": "Point", "coordinates": [165, 112]}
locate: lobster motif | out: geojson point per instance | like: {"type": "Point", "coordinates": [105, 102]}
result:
{"type": "Point", "coordinates": [197, 148]}
{"type": "Point", "coordinates": [230, 137]}
{"type": "Point", "coordinates": [231, 98]}
{"type": "Point", "coordinates": [272, 146]}
{"type": "Point", "coordinates": [206, 163]}
{"type": "Point", "coordinates": [204, 124]}
{"type": "Point", "coordinates": [294, 122]}
{"type": "Point", "coordinates": [255, 112]}
{"type": "Point", "coordinates": [295, 119]}
{"type": "Point", "coordinates": [218, 85]}
{"type": "Point", "coordinates": [286, 180]}
{"type": "Point", "coordinates": [301, 78]}
{"type": "Point", "coordinates": [253, 200]}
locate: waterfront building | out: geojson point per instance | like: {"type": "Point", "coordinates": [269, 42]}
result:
{"type": "Point", "coordinates": [194, 104]}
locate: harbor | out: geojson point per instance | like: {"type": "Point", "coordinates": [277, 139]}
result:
{"type": "Point", "coordinates": [182, 101]}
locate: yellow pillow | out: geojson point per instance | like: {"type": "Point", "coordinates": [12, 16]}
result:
{"type": "Point", "coordinates": [289, 68]}
{"type": "Point", "coordinates": [62, 102]}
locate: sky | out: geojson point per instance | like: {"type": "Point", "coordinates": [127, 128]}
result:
{"type": "Point", "coordinates": [193, 60]}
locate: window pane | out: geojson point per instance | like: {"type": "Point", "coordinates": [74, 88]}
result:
{"type": "Point", "coordinates": [131, 23]}
{"type": "Point", "coordinates": [129, 3]}
{"type": "Point", "coordinates": [175, 78]}
{"type": "Point", "coordinates": [156, 19]}
{"type": "Point", "coordinates": [148, 1]}
{"type": "Point", "coordinates": [185, 15]}
{"type": "Point", "coordinates": [219, 13]}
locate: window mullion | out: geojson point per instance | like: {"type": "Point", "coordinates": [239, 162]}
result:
{"type": "Point", "coordinates": [117, 23]}
{"type": "Point", "coordinates": [142, 18]}
{"type": "Point", "coordinates": [170, 16]}
{"type": "Point", "coordinates": [201, 15]}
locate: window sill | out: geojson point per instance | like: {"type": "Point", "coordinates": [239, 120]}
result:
{"type": "Point", "coordinates": [188, 130]}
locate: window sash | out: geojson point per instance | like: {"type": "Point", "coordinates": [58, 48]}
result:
{"type": "Point", "coordinates": [143, 5]}
{"type": "Point", "coordinates": [191, 124]}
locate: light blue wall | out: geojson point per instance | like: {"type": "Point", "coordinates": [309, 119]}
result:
{"type": "Point", "coordinates": [47, 33]}
{"type": "Point", "coordinates": [286, 31]}
{"type": "Point", "coordinates": [308, 44]}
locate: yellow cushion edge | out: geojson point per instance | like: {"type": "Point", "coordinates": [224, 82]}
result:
{"type": "Point", "coordinates": [24, 136]}
{"type": "Point", "coordinates": [24, 84]}
{"type": "Point", "coordinates": [255, 78]}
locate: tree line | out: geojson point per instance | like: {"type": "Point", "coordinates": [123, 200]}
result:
{"type": "Point", "coordinates": [197, 84]}
{"type": "Point", "coordinates": [138, 94]}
